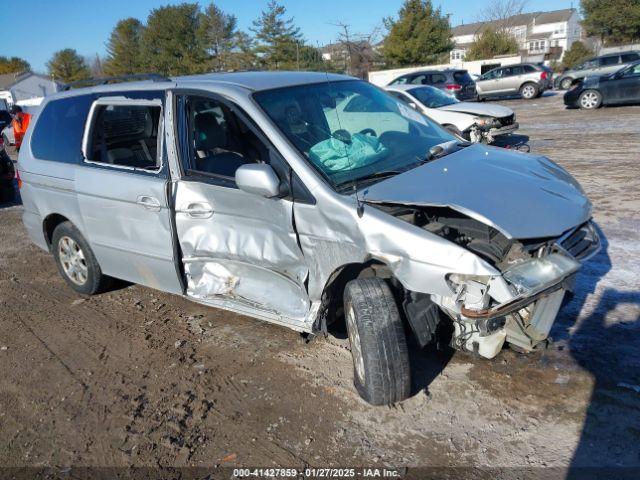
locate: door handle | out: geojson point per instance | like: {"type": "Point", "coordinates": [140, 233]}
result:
{"type": "Point", "coordinates": [198, 210]}
{"type": "Point", "coordinates": [150, 203]}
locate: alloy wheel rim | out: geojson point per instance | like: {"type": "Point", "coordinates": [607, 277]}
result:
{"type": "Point", "coordinates": [356, 347]}
{"type": "Point", "coordinates": [589, 100]}
{"type": "Point", "coordinates": [528, 91]}
{"type": "Point", "coordinates": [72, 260]}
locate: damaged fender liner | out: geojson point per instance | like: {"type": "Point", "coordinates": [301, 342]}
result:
{"type": "Point", "coordinates": [512, 306]}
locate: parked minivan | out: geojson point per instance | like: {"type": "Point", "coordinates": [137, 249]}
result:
{"type": "Point", "coordinates": [596, 66]}
{"type": "Point", "coordinates": [302, 198]}
{"type": "Point", "coordinates": [527, 79]}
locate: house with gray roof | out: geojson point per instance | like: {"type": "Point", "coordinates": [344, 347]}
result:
{"type": "Point", "coordinates": [540, 35]}
{"type": "Point", "coordinates": [26, 87]}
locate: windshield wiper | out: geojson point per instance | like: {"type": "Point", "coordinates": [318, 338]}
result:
{"type": "Point", "coordinates": [371, 176]}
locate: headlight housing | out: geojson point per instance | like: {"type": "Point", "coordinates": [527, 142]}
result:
{"type": "Point", "coordinates": [486, 122]}
{"type": "Point", "coordinates": [537, 274]}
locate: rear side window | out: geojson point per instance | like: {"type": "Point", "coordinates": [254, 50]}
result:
{"type": "Point", "coordinates": [125, 135]}
{"type": "Point", "coordinates": [630, 57]}
{"type": "Point", "coordinates": [529, 68]}
{"type": "Point", "coordinates": [462, 77]}
{"type": "Point", "coordinates": [609, 61]}
{"type": "Point", "coordinates": [59, 129]}
{"type": "Point", "coordinates": [437, 78]}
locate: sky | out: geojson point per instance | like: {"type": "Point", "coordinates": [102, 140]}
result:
{"type": "Point", "coordinates": [49, 25]}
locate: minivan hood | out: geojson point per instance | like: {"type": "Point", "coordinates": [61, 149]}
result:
{"type": "Point", "coordinates": [487, 110]}
{"type": "Point", "coordinates": [521, 195]}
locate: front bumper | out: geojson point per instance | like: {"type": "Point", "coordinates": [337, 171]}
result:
{"type": "Point", "coordinates": [496, 132]}
{"type": "Point", "coordinates": [521, 305]}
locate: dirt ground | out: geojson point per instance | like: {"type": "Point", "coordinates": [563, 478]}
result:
{"type": "Point", "coordinates": [136, 377]}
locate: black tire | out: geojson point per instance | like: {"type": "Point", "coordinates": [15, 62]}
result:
{"type": "Point", "coordinates": [590, 99]}
{"type": "Point", "coordinates": [565, 83]}
{"type": "Point", "coordinates": [529, 91]}
{"type": "Point", "coordinates": [94, 281]}
{"type": "Point", "coordinates": [381, 371]}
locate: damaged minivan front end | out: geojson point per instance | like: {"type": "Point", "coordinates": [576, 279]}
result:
{"type": "Point", "coordinates": [516, 294]}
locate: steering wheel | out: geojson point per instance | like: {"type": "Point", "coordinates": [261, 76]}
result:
{"type": "Point", "coordinates": [369, 131]}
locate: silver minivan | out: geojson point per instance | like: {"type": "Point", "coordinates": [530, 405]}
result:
{"type": "Point", "coordinates": [303, 199]}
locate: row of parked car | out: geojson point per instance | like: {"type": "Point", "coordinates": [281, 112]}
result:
{"type": "Point", "coordinates": [606, 80]}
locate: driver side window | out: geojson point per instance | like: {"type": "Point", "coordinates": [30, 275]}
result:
{"type": "Point", "coordinates": [219, 141]}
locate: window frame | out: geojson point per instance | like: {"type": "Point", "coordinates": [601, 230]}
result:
{"type": "Point", "coordinates": [89, 128]}
{"type": "Point", "coordinates": [179, 122]}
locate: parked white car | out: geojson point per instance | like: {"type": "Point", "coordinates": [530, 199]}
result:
{"type": "Point", "coordinates": [477, 122]}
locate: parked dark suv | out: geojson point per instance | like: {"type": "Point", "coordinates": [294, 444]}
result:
{"type": "Point", "coordinates": [455, 82]}
{"type": "Point", "coordinates": [596, 66]}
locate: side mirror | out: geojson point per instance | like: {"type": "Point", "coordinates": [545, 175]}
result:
{"type": "Point", "coordinates": [259, 179]}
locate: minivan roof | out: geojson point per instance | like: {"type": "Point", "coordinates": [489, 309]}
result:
{"type": "Point", "coordinates": [254, 81]}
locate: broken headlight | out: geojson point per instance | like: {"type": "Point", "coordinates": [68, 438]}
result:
{"type": "Point", "coordinates": [537, 274]}
{"type": "Point", "coordinates": [486, 122]}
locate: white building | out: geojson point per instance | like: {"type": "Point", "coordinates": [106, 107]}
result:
{"type": "Point", "coordinates": [541, 35]}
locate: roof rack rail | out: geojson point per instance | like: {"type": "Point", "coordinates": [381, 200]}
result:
{"type": "Point", "coordinates": [154, 77]}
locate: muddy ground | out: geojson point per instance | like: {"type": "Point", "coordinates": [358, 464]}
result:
{"type": "Point", "coordinates": [135, 377]}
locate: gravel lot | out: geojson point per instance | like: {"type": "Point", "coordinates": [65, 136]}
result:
{"type": "Point", "coordinates": [135, 377]}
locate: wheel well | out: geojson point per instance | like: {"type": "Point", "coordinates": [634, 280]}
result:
{"type": "Point", "coordinates": [331, 300]}
{"type": "Point", "coordinates": [528, 82]}
{"type": "Point", "coordinates": [49, 225]}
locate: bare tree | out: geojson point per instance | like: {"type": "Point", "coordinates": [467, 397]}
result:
{"type": "Point", "coordinates": [502, 12]}
{"type": "Point", "coordinates": [357, 49]}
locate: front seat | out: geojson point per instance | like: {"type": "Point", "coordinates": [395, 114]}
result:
{"type": "Point", "coordinates": [212, 147]}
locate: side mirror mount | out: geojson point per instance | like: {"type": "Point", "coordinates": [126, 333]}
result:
{"type": "Point", "coordinates": [258, 179]}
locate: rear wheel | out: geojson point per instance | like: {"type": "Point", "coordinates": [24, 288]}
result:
{"type": "Point", "coordinates": [381, 371]}
{"type": "Point", "coordinates": [590, 99]}
{"type": "Point", "coordinates": [529, 91]}
{"type": "Point", "coordinates": [76, 262]}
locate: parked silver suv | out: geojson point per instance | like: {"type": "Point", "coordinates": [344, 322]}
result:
{"type": "Point", "coordinates": [596, 66]}
{"type": "Point", "coordinates": [526, 79]}
{"type": "Point", "coordinates": [299, 199]}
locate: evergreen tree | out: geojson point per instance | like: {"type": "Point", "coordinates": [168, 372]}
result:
{"type": "Point", "coordinates": [218, 35]}
{"type": "Point", "coordinates": [278, 39]}
{"type": "Point", "coordinates": [170, 41]}
{"type": "Point", "coordinates": [67, 66]}
{"type": "Point", "coordinates": [124, 48]}
{"type": "Point", "coordinates": [243, 55]}
{"type": "Point", "coordinates": [575, 54]}
{"type": "Point", "coordinates": [490, 43]}
{"type": "Point", "coordinates": [613, 21]}
{"type": "Point", "coordinates": [420, 35]}
{"type": "Point", "coordinates": [13, 65]}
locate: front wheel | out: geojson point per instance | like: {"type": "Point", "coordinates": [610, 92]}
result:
{"type": "Point", "coordinates": [378, 343]}
{"type": "Point", "coordinates": [590, 100]}
{"type": "Point", "coordinates": [529, 91]}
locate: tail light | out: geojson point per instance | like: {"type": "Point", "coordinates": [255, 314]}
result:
{"type": "Point", "coordinates": [453, 87]}
{"type": "Point", "coordinates": [543, 75]}
{"type": "Point", "coordinates": [18, 179]}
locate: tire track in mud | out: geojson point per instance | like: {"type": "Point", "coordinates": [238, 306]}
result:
{"type": "Point", "coordinates": [83, 336]}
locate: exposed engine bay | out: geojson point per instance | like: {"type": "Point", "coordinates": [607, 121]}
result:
{"type": "Point", "coordinates": [519, 305]}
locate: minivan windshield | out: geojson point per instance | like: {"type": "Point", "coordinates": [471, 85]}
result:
{"type": "Point", "coordinates": [432, 97]}
{"type": "Point", "coordinates": [351, 131]}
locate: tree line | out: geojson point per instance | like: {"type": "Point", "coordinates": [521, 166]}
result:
{"type": "Point", "coordinates": [187, 39]}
